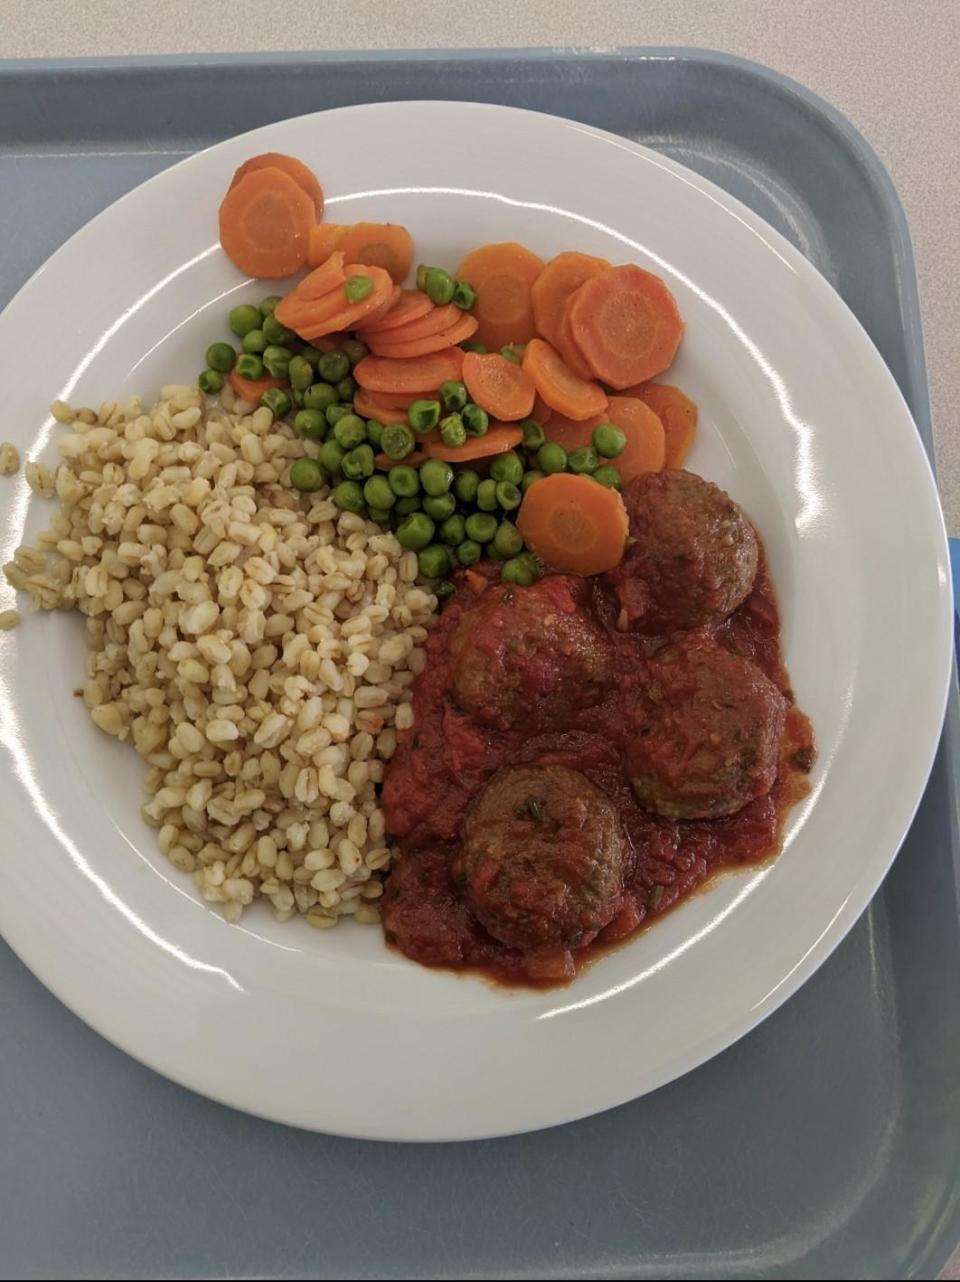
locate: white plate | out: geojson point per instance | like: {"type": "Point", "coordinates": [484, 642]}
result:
{"type": "Point", "coordinates": [801, 422]}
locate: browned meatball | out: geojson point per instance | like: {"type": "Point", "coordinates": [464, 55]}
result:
{"type": "Point", "coordinates": [529, 656]}
{"type": "Point", "coordinates": [693, 558]}
{"type": "Point", "coordinates": [541, 864]}
{"type": "Point", "coordinates": [710, 725]}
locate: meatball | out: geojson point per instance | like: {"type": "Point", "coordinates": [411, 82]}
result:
{"type": "Point", "coordinates": [710, 725]}
{"type": "Point", "coordinates": [541, 864]}
{"type": "Point", "coordinates": [529, 656]}
{"type": "Point", "coordinates": [693, 558]}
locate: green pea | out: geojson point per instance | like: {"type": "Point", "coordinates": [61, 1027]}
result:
{"type": "Point", "coordinates": [423, 415]}
{"type": "Point", "coordinates": [434, 561]}
{"type": "Point", "coordinates": [533, 436]}
{"type": "Point", "coordinates": [331, 455]}
{"type": "Point", "coordinates": [452, 531]}
{"type": "Point", "coordinates": [517, 571]}
{"type": "Point", "coordinates": [243, 319]}
{"type": "Point", "coordinates": [277, 360]}
{"type": "Point", "coordinates": [507, 467]}
{"type": "Point", "coordinates": [415, 531]}
{"type": "Point", "coordinates": [608, 476]}
{"type": "Point", "coordinates": [319, 396]}
{"type": "Point", "coordinates": [347, 388]}
{"type": "Point", "coordinates": [529, 478]}
{"type": "Point", "coordinates": [357, 463]}
{"type": "Point", "coordinates": [250, 366]}
{"type": "Point", "coordinates": [274, 332]}
{"type": "Point", "coordinates": [335, 413]}
{"type": "Point", "coordinates": [310, 424]}
{"type": "Point", "coordinates": [513, 352]}
{"type": "Point", "coordinates": [403, 480]}
{"type": "Point", "coordinates": [469, 552]}
{"type": "Point", "coordinates": [405, 506]}
{"type": "Point", "coordinates": [300, 374]}
{"type": "Point", "coordinates": [585, 459]}
{"type": "Point", "coordinates": [507, 541]}
{"type": "Point", "coordinates": [349, 431]}
{"type": "Point", "coordinates": [552, 458]}
{"type": "Point", "coordinates": [439, 506]}
{"type": "Point", "coordinates": [254, 341]}
{"type": "Point", "coordinates": [276, 399]}
{"type": "Point", "coordinates": [311, 354]}
{"type": "Point", "coordinates": [268, 304]}
{"type": "Point", "coordinates": [452, 431]}
{"type": "Point", "coordinates": [444, 589]}
{"type": "Point", "coordinates": [210, 381]}
{"type": "Point", "coordinates": [464, 295]}
{"type": "Point", "coordinates": [332, 366]}
{"type": "Point", "coordinates": [221, 357]}
{"type": "Point", "coordinates": [508, 495]}
{"type": "Point", "coordinates": [475, 420]}
{"type": "Point", "coordinates": [481, 527]}
{"type": "Point", "coordinates": [421, 282]}
{"type": "Point", "coordinates": [297, 398]}
{"type": "Point", "coordinates": [453, 394]}
{"type": "Point", "coordinates": [374, 432]}
{"type": "Point", "coordinates": [357, 288]}
{"type": "Point", "coordinates": [531, 562]}
{"type": "Point", "coordinates": [381, 515]}
{"type": "Point", "coordinates": [439, 286]}
{"type": "Point", "coordinates": [436, 477]}
{"type": "Point", "coordinates": [397, 441]}
{"type": "Point", "coordinates": [609, 440]}
{"type": "Point", "coordinates": [378, 493]}
{"type": "Point", "coordinates": [480, 348]}
{"type": "Point", "coordinates": [354, 350]}
{"type": "Point", "coordinates": [486, 499]}
{"type": "Point", "coordinates": [307, 474]}
{"type": "Point", "coordinates": [348, 496]}
{"type": "Point", "coordinates": [465, 485]}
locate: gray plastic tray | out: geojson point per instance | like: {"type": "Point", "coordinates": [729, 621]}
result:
{"type": "Point", "coordinates": [824, 1144]}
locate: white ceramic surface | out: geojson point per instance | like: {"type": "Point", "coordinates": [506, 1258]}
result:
{"type": "Point", "coordinates": [800, 421]}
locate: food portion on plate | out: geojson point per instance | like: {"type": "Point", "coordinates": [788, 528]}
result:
{"type": "Point", "coordinates": [408, 605]}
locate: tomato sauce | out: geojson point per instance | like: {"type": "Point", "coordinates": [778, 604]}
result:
{"type": "Point", "coordinates": [447, 758]}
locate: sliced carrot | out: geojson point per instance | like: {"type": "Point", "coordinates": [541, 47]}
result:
{"type": "Point", "coordinates": [431, 322]}
{"type": "Point", "coordinates": [676, 412]}
{"type": "Point", "coordinates": [626, 324]}
{"type": "Point", "coordinates": [476, 582]}
{"type": "Point", "coordinates": [251, 389]}
{"type": "Point", "coordinates": [322, 279]}
{"type": "Point", "coordinates": [386, 245]}
{"type": "Point", "coordinates": [305, 178]}
{"type": "Point", "coordinates": [561, 277]}
{"type": "Point", "coordinates": [502, 275]}
{"type": "Point", "coordinates": [382, 413]}
{"type": "Point", "coordinates": [567, 347]}
{"type": "Point", "coordinates": [422, 374]}
{"type": "Point", "coordinates": [556, 382]}
{"type": "Point", "coordinates": [459, 332]}
{"type": "Point", "coordinates": [325, 239]}
{"type": "Point", "coordinates": [498, 386]}
{"type": "Point", "coordinates": [411, 304]}
{"type": "Point", "coordinates": [381, 312]}
{"type": "Point", "coordinates": [574, 524]}
{"type": "Point", "coordinates": [498, 438]}
{"type": "Point", "coordinates": [264, 224]}
{"type": "Point", "coordinates": [329, 342]}
{"type": "Point", "coordinates": [384, 463]}
{"type": "Point", "coordinates": [571, 434]}
{"type": "Point", "coordinates": [646, 447]}
{"type": "Point", "coordinates": [389, 400]}
{"type": "Point", "coordinates": [541, 411]}
{"type": "Point", "coordinates": [314, 319]}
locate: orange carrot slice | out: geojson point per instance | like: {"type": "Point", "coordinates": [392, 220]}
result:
{"type": "Point", "coordinates": [382, 413]}
{"type": "Point", "coordinates": [305, 178]}
{"type": "Point", "coordinates": [561, 277]}
{"type": "Point", "coordinates": [541, 412]}
{"type": "Point", "coordinates": [333, 311]}
{"type": "Point", "coordinates": [381, 312]}
{"type": "Point", "coordinates": [325, 239]}
{"type": "Point", "coordinates": [626, 325]}
{"type": "Point", "coordinates": [574, 524]}
{"type": "Point", "coordinates": [322, 279]}
{"type": "Point", "coordinates": [571, 434]}
{"type": "Point", "coordinates": [498, 438]}
{"type": "Point", "coordinates": [497, 385]}
{"type": "Point", "coordinates": [459, 332]}
{"type": "Point", "coordinates": [264, 224]}
{"type": "Point", "coordinates": [557, 384]}
{"type": "Point", "coordinates": [411, 304]}
{"type": "Point", "coordinates": [384, 462]}
{"type": "Point", "coordinates": [431, 322]}
{"type": "Point", "coordinates": [421, 374]}
{"type": "Point", "coordinates": [251, 389]}
{"type": "Point", "coordinates": [386, 245]}
{"type": "Point", "coordinates": [390, 400]}
{"type": "Point", "coordinates": [502, 276]}
{"type": "Point", "coordinates": [646, 447]}
{"type": "Point", "coordinates": [676, 412]}
{"type": "Point", "coordinates": [567, 347]}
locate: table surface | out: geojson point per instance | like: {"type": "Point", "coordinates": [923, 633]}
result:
{"type": "Point", "coordinates": [888, 66]}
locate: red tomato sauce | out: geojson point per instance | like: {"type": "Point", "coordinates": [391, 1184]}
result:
{"type": "Point", "coordinates": [446, 759]}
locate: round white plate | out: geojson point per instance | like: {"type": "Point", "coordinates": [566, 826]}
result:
{"type": "Point", "coordinates": [800, 421]}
